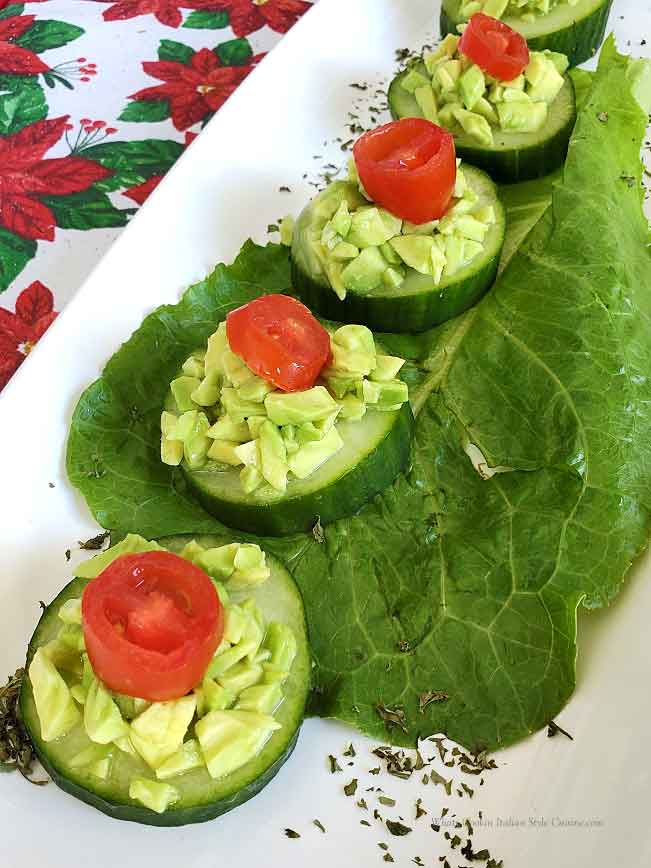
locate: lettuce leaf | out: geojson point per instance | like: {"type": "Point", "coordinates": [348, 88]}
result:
{"type": "Point", "coordinates": [450, 581]}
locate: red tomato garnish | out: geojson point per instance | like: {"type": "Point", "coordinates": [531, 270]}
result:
{"type": "Point", "coordinates": [152, 622]}
{"type": "Point", "coordinates": [408, 167]}
{"type": "Point", "coordinates": [279, 340]}
{"type": "Point", "coordinates": [495, 47]}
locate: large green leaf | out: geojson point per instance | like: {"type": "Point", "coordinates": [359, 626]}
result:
{"type": "Point", "coordinates": [15, 253]}
{"type": "Point", "coordinates": [133, 162]}
{"type": "Point", "coordinates": [450, 581]}
{"type": "Point", "coordinates": [145, 111]}
{"type": "Point", "coordinates": [22, 102]}
{"type": "Point", "coordinates": [43, 35]}
{"type": "Point", "coordinates": [90, 209]}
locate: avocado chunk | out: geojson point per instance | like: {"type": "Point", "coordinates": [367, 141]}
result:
{"type": "Point", "coordinates": [294, 408]}
{"type": "Point", "coordinates": [55, 706]}
{"type": "Point", "coordinates": [152, 794]}
{"type": "Point", "coordinates": [159, 731]}
{"type": "Point", "coordinates": [472, 85]}
{"type": "Point", "coordinates": [372, 226]}
{"type": "Point", "coordinates": [229, 739]}
{"type": "Point", "coordinates": [273, 456]}
{"type": "Point", "coordinates": [364, 273]}
{"type": "Point", "coordinates": [312, 455]}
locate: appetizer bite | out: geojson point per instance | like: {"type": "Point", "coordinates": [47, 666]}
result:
{"type": "Point", "coordinates": [412, 239]}
{"type": "Point", "coordinates": [280, 423]}
{"type": "Point", "coordinates": [574, 28]}
{"type": "Point", "coordinates": [168, 688]}
{"type": "Point", "coordinates": [511, 110]}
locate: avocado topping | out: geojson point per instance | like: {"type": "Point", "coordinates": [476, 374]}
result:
{"type": "Point", "coordinates": [455, 93]}
{"type": "Point", "coordinates": [275, 436]}
{"type": "Point", "coordinates": [527, 10]}
{"type": "Point", "coordinates": [220, 726]}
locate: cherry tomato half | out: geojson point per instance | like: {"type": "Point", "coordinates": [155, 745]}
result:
{"type": "Point", "coordinates": [495, 47]}
{"type": "Point", "coordinates": [280, 341]}
{"type": "Point", "coordinates": [408, 167]}
{"type": "Point", "coordinates": [151, 622]}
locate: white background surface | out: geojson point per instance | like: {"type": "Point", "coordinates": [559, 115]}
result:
{"type": "Point", "coordinates": [266, 137]}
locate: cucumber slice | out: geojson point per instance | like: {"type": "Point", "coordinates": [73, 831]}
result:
{"type": "Point", "coordinates": [576, 31]}
{"type": "Point", "coordinates": [512, 157]}
{"type": "Point", "coordinates": [376, 449]}
{"type": "Point", "coordinates": [201, 797]}
{"type": "Point", "coordinates": [418, 303]}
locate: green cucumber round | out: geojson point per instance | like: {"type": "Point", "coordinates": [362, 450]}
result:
{"type": "Point", "coordinates": [201, 797]}
{"type": "Point", "coordinates": [512, 157]}
{"type": "Point", "coordinates": [575, 31]}
{"type": "Point", "coordinates": [376, 450]}
{"type": "Point", "coordinates": [419, 303]}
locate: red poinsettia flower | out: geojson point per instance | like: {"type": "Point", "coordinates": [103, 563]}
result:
{"type": "Point", "coordinates": [19, 331]}
{"type": "Point", "coordinates": [195, 90]}
{"type": "Point", "coordinates": [15, 60]}
{"type": "Point", "coordinates": [139, 193]}
{"type": "Point", "coordinates": [247, 16]}
{"type": "Point", "coordinates": [166, 11]}
{"type": "Point", "coordinates": [25, 176]}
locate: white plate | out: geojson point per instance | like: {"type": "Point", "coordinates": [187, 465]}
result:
{"type": "Point", "coordinates": [224, 189]}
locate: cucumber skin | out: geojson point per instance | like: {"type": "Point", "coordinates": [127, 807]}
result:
{"type": "Point", "coordinates": [132, 812]}
{"type": "Point", "coordinates": [578, 42]}
{"type": "Point", "coordinates": [343, 497]}
{"type": "Point", "coordinates": [510, 166]}
{"type": "Point", "coordinates": [414, 314]}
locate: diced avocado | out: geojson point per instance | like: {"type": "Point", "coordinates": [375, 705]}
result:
{"type": "Point", "coordinates": [70, 611]}
{"type": "Point", "coordinates": [263, 698]}
{"type": "Point", "coordinates": [472, 85]}
{"type": "Point", "coordinates": [453, 254]}
{"type": "Point", "coordinates": [226, 660]}
{"type": "Point", "coordinates": [289, 436]}
{"type": "Point", "coordinates": [254, 423]}
{"type": "Point", "coordinates": [240, 676]}
{"type": "Point", "coordinates": [495, 8]}
{"type": "Point", "coordinates": [369, 392]}
{"type": "Point", "coordinates": [222, 593]}
{"type": "Point", "coordinates": [234, 623]}
{"type": "Point", "coordinates": [413, 80]}
{"type": "Point", "coordinates": [182, 389]}
{"type": "Point", "coordinates": [294, 408]}
{"type": "Point", "coordinates": [56, 709]}
{"type": "Point", "coordinates": [495, 93]}
{"type": "Point", "coordinates": [340, 386]}
{"type": "Point", "coordinates": [560, 61]}
{"type": "Point", "coordinates": [255, 389]}
{"type": "Point", "coordinates": [187, 758]}
{"type": "Point", "coordinates": [475, 125]}
{"type": "Point", "coordinates": [352, 408]}
{"type": "Point", "coordinates": [65, 658]}
{"type": "Point", "coordinates": [287, 230]}
{"type": "Point", "coordinates": [447, 48]}
{"type": "Point", "coordinates": [364, 273]}
{"type": "Point", "coordinates": [312, 455]}
{"type": "Point", "coordinates": [192, 551]}
{"type": "Point", "coordinates": [217, 343]}
{"type": "Point", "coordinates": [226, 429]}
{"type": "Point", "coordinates": [467, 226]}
{"type": "Point", "coordinates": [171, 452]}
{"type": "Point", "coordinates": [518, 83]}
{"type": "Point", "coordinates": [334, 270]}
{"type": "Point", "coordinates": [219, 562]}
{"type": "Point", "coordinates": [129, 706]}
{"type": "Point", "coordinates": [329, 236]}
{"type": "Point", "coordinates": [547, 88]}
{"type": "Point", "coordinates": [342, 219]}
{"type": "Point", "coordinates": [159, 731]}
{"type": "Point", "coordinates": [196, 446]}
{"type": "Point", "coordinates": [249, 453]}
{"type": "Point", "coordinates": [343, 251]}
{"type": "Point", "coordinates": [72, 636]}
{"type": "Point", "coordinates": [273, 674]}
{"type": "Point", "coordinates": [426, 99]}
{"type": "Point", "coordinates": [154, 795]}
{"type": "Point", "coordinates": [90, 756]}
{"type": "Point", "coordinates": [471, 249]}
{"type": "Point", "coordinates": [207, 393]}
{"type": "Point", "coordinates": [447, 114]}
{"type": "Point", "coordinates": [280, 640]}
{"type": "Point", "coordinates": [355, 337]}
{"type": "Point", "coordinates": [216, 697]}
{"type": "Point", "coordinates": [124, 744]}
{"type": "Point", "coordinates": [131, 544]}
{"type": "Point", "coordinates": [447, 74]}
{"type": "Point", "coordinates": [235, 369]}
{"type": "Point", "coordinates": [238, 409]}
{"type": "Point", "coordinates": [250, 479]}
{"type": "Point", "coordinates": [515, 95]}
{"type": "Point", "coordinates": [372, 226]}
{"type": "Point", "coordinates": [273, 455]}
{"type": "Point", "coordinates": [417, 251]}
{"type": "Point", "coordinates": [485, 109]}
{"type": "Point", "coordinates": [386, 368]}
{"type": "Point", "coordinates": [184, 426]}
{"type": "Point", "coordinates": [193, 367]}
{"type": "Point", "coordinates": [229, 739]}
{"type": "Point", "coordinates": [168, 423]}
{"type": "Point", "coordinates": [393, 277]}
{"type": "Point", "coordinates": [486, 214]}
{"type": "Point", "coordinates": [225, 452]}
{"type": "Point", "coordinates": [307, 433]}
{"type": "Point", "coordinates": [522, 117]}
{"type": "Point", "coordinates": [387, 250]}
{"type": "Point", "coordinates": [251, 568]}
{"type": "Point", "coordinates": [391, 394]}
{"type": "Point", "coordinates": [102, 719]}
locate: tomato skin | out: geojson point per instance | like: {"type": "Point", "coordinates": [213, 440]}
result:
{"type": "Point", "coordinates": [280, 340]}
{"type": "Point", "coordinates": [152, 622]}
{"type": "Point", "coordinates": [408, 167]}
{"type": "Point", "coordinates": [495, 47]}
